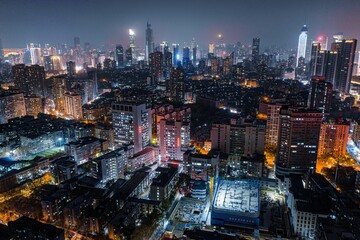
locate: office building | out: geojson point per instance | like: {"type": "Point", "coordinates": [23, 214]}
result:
{"type": "Point", "coordinates": [344, 66]}
{"type": "Point", "coordinates": [119, 52]}
{"type": "Point", "coordinates": [301, 51]}
{"type": "Point", "coordinates": [132, 124]}
{"type": "Point", "coordinates": [35, 53]}
{"type": "Point", "coordinates": [176, 54]}
{"type": "Point", "coordinates": [132, 45]}
{"type": "Point", "coordinates": [149, 42]}
{"type": "Point", "coordinates": [186, 57]}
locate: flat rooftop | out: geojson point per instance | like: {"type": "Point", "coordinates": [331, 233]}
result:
{"type": "Point", "coordinates": [237, 196]}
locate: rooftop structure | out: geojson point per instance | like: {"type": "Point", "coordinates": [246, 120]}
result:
{"type": "Point", "coordinates": [237, 196]}
{"type": "Point", "coordinates": [236, 203]}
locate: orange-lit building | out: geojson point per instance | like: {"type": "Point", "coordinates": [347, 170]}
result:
{"type": "Point", "coordinates": [333, 138]}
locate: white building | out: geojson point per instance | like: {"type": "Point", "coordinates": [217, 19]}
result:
{"type": "Point", "coordinates": [132, 124]}
{"type": "Point", "coordinates": [302, 44]}
{"type": "Point", "coordinates": [172, 137]}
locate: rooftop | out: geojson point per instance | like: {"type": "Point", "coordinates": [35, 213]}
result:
{"type": "Point", "coordinates": [237, 196]}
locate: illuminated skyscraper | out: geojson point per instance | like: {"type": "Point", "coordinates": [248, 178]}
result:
{"type": "Point", "coordinates": [119, 54]}
{"type": "Point", "coordinates": [129, 56]}
{"type": "Point", "coordinates": [301, 52]}
{"type": "Point", "coordinates": [345, 64]}
{"type": "Point", "coordinates": [132, 44]}
{"type": "Point", "coordinates": [35, 53]}
{"type": "Point", "coordinates": [186, 57]}
{"type": "Point", "coordinates": [149, 42]}
{"type": "Point", "coordinates": [176, 55]}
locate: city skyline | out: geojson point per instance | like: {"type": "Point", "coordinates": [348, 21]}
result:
{"type": "Point", "coordinates": [108, 23]}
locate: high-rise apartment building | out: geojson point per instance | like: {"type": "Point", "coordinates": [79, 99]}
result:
{"type": "Point", "coordinates": [132, 124]}
{"type": "Point", "coordinates": [156, 66]}
{"type": "Point", "coordinates": [334, 135]}
{"type": "Point", "coordinates": [73, 105]}
{"type": "Point", "coordinates": [12, 105]}
{"type": "Point", "coordinates": [298, 140]}
{"type": "Point", "coordinates": [29, 79]}
{"type": "Point", "coordinates": [172, 137]}
{"type": "Point", "coordinates": [320, 94]}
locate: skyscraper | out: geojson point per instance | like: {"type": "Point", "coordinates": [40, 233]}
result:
{"type": "Point", "coordinates": [77, 42]}
{"type": "Point", "coordinates": [320, 94]}
{"type": "Point", "coordinates": [119, 52]}
{"type": "Point", "coordinates": [314, 60]}
{"type": "Point", "coordinates": [176, 85]}
{"type": "Point", "coordinates": [176, 56]}
{"type": "Point", "coordinates": [255, 50]}
{"type": "Point", "coordinates": [35, 53]}
{"type": "Point", "coordinates": [186, 57]}
{"type": "Point", "coordinates": [149, 42]}
{"type": "Point", "coordinates": [345, 64]}
{"type": "Point", "coordinates": [132, 44]}
{"type": "Point", "coordinates": [129, 57]}
{"type": "Point", "coordinates": [167, 65]}
{"type": "Point", "coordinates": [298, 140]}
{"type": "Point", "coordinates": [132, 124]}
{"type": "Point", "coordinates": [301, 52]}
{"type": "Point", "coordinates": [155, 64]}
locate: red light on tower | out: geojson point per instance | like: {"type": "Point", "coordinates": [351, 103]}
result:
{"type": "Point", "coordinates": [320, 38]}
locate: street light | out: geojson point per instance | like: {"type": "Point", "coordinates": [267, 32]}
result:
{"type": "Point", "coordinates": [60, 140]}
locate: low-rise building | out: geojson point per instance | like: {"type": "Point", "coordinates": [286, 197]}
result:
{"type": "Point", "coordinates": [163, 183]}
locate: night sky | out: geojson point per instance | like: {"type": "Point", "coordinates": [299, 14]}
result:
{"type": "Point", "coordinates": [107, 21]}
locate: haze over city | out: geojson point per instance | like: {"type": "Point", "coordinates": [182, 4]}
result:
{"type": "Point", "coordinates": [106, 22]}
